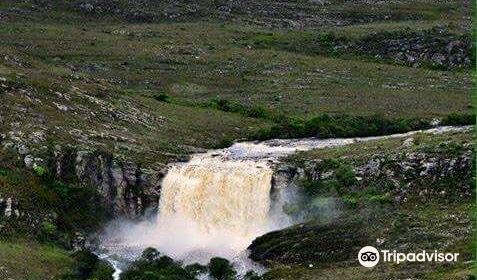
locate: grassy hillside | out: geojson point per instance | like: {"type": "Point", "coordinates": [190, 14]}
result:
{"type": "Point", "coordinates": [149, 91]}
{"type": "Point", "coordinates": [32, 261]}
{"type": "Point", "coordinates": [130, 78]}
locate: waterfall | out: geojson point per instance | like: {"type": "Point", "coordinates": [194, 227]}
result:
{"type": "Point", "coordinates": [213, 207]}
{"type": "Point", "coordinates": [218, 202]}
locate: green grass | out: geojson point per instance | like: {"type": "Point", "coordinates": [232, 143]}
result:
{"type": "Point", "coordinates": [457, 272]}
{"type": "Point", "coordinates": [28, 260]}
{"type": "Point", "coordinates": [200, 62]}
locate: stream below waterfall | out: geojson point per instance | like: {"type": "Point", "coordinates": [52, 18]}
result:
{"type": "Point", "coordinates": [216, 204]}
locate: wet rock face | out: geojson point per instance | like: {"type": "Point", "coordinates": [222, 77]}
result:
{"type": "Point", "coordinates": [127, 190]}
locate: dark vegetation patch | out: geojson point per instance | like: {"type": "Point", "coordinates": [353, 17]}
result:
{"type": "Point", "coordinates": [152, 265]}
{"type": "Point", "coordinates": [86, 266]}
{"type": "Point", "coordinates": [300, 244]}
{"type": "Point", "coordinates": [221, 269]}
{"type": "Point", "coordinates": [255, 111]}
{"type": "Point", "coordinates": [433, 48]}
{"type": "Point", "coordinates": [430, 172]}
{"type": "Point", "coordinates": [341, 126]}
{"type": "Point", "coordinates": [459, 119]}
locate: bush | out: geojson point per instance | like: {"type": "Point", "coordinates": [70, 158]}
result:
{"type": "Point", "coordinates": [48, 231]}
{"type": "Point", "coordinates": [345, 176]}
{"type": "Point", "coordinates": [343, 179]}
{"type": "Point", "coordinates": [380, 198]}
{"type": "Point", "coordinates": [221, 269]}
{"type": "Point", "coordinates": [162, 97]}
{"type": "Point", "coordinates": [150, 254]}
{"type": "Point", "coordinates": [350, 201]}
{"type": "Point", "coordinates": [459, 119]}
{"type": "Point", "coordinates": [151, 266]}
{"type": "Point", "coordinates": [251, 275]}
{"type": "Point", "coordinates": [89, 266]}
{"type": "Point", "coordinates": [221, 104]}
{"type": "Point", "coordinates": [319, 187]}
{"type": "Point", "coordinates": [257, 112]}
{"type": "Point", "coordinates": [39, 170]}
{"type": "Point", "coordinates": [339, 126]}
{"type": "Point", "coordinates": [196, 269]}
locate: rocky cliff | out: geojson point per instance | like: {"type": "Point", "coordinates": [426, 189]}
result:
{"type": "Point", "coordinates": [127, 189]}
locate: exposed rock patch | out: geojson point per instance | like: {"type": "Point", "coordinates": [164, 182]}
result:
{"type": "Point", "coordinates": [127, 189]}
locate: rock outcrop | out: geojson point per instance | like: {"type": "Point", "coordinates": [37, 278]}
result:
{"type": "Point", "coordinates": [127, 189]}
{"type": "Point", "coordinates": [435, 48]}
{"type": "Point", "coordinates": [405, 172]}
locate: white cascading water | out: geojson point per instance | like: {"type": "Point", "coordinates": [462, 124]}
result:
{"type": "Point", "coordinates": [211, 207]}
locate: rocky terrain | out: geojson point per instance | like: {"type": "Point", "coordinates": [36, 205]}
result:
{"type": "Point", "coordinates": [278, 14]}
{"type": "Point", "coordinates": [97, 97]}
{"type": "Point", "coordinates": [414, 195]}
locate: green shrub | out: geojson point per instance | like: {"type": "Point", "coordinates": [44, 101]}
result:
{"type": "Point", "coordinates": [48, 227]}
{"type": "Point", "coordinates": [319, 187]}
{"type": "Point", "coordinates": [345, 176]}
{"type": "Point", "coordinates": [85, 264]}
{"type": "Point", "coordinates": [151, 266]}
{"type": "Point", "coordinates": [196, 269]}
{"type": "Point", "coordinates": [3, 172]}
{"type": "Point", "coordinates": [350, 201]}
{"type": "Point", "coordinates": [258, 112]}
{"type": "Point", "coordinates": [342, 179]}
{"type": "Point", "coordinates": [224, 142]}
{"type": "Point", "coordinates": [265, 40]}
{"type": "Point", "coordinates": [459, 119]}
{"type": "Point", "coordinates": [150, 254]}
{"type": "Point", "coordinates": [77, 205]}
{"type": "Point", "coordinates": [89, 266]}
{"type": "Point", "coordinates": [220, 104]}
{"type": "Point", "coordinates": [339, 126]}
{"type": "Point", "coordinates": [251, 275]}
{"type": "Point", "coordinates": [162, 97]}
{"type": "Point", "coordinates": [39, 170]}
{"type": "Point", "coordinates": [380, 198]}
{"type": "Point", "coordinates": [221, 269]}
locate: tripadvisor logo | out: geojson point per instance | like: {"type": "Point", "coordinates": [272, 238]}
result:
{"type": "Point", "coordinates": [369, 256]}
